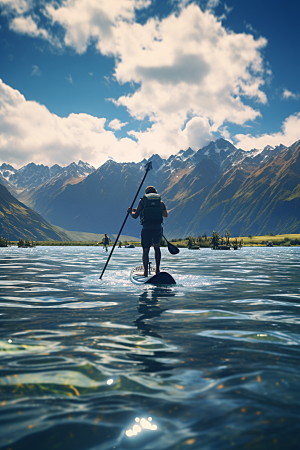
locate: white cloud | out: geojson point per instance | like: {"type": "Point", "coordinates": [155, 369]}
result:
{"type": "Point", "coordinates": [69, 79]}
{"type": "Point", "coordinates": [211, 4]}
{"type": "Point", "coordinates": [288, 135]}
{"type": "Point", "coordinates": [228, 9]}
{"type": "Point", "coordinates": [225, 133]}
{"type": "Point", "coordinates": [191, 71]}
{"type": "Point", "coordinates": [187, 63]}
{"type": "Point", "coordinates": [116, 124]}
{"type": "Point", "coordinates": [286, 95]}
{"type": "Point", "coordinates": [17, 6]}
{"type": "Point", "coordinates": [87, 20]}
{"type": "Point", "coordinates": [36, 71]}
{"type": "Point", "coordinates": [190, 63]}
{"type": "Point", "coordinates": [166, 138]}
{"type": "Point", "coordinates": [30, 132]}
{"type": "Point", "coordinates": [197, 132]}
{"type": "Point", "coordinates": [26, 25]}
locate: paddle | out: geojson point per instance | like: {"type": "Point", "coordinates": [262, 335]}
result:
{"type": "Point", "coordinates": [172, 248]}
{"type": "Point", "coordinates": [147, 167]}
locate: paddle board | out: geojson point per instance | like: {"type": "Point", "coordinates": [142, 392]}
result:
{"type": "Point", "coordinates": [137, 277]}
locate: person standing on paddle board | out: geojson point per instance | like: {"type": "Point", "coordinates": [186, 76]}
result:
{"type": "Point", "coordinates": [105, 241]}
{"type": "Point", "coordinates": [151, 211]}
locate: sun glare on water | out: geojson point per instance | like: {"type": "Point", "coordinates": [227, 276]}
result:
{"type": "Point", "coordinates": [144, 424]}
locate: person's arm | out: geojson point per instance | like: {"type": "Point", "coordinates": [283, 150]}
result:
{"type": "Point", "coordinates": [164, 209]}
{"type": "Point", "coordinates": [135, 212]}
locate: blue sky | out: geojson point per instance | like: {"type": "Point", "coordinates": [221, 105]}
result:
{"type": "Point", "coordinates": [123, 79]}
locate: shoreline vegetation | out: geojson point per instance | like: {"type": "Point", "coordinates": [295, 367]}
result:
{"type": "Point", "coordinates": [286, 240]}
{"type": "Point", "coordinates": [194, 243]}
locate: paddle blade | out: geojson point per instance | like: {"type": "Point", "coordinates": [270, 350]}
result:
{"type": "Point", "coordinates": [172, 249]}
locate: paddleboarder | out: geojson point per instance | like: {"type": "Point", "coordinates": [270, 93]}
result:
{"type": "Point", "coordinates": [172, 248]}
{"type": "Point", "coordinates": [105, 241]}
{"type": "Point", "coordinates": [151, 210]}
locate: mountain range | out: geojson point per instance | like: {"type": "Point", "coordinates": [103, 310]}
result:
{"type": "Point", "coordinates": [17, 219]}
{"type": "Point", "coordinates": [217, 187]}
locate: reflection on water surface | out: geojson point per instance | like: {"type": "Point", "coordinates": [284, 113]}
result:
{"type": "Point", "coordinates": [210, 363]}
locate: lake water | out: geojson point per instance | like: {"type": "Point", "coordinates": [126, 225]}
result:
{"type": "Point", "coordinates": [211, 363]}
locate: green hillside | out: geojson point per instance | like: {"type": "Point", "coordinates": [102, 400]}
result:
{"type": "Point", "coordinates": [18, 221]}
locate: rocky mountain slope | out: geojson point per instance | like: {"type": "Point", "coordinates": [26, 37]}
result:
{"type": "Point", "coordinates": [33, 175]}
{"type": "Point", "coordinates": [258, 195]}
{"type": "Point", "coordinates": [269, 199]}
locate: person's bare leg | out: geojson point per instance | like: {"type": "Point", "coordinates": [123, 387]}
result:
{"type": "Point", "coordinates": [157, 256]}
{"type": "Point", "coordinates": [146, 260]}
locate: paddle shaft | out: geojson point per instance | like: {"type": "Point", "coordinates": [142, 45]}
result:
{"type": "Point", "coordinates": [148, 167]}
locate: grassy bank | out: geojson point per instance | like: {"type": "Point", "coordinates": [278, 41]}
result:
{"type": "Point", "coordinates": [286, 240]}
{"type": "Point", "coordinates": [277, 240]}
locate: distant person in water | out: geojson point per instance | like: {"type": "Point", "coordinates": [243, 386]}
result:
{"type": "Point", "coordinates": [151, 211]}
{"type": "Point", "coordinates": [105, 241]}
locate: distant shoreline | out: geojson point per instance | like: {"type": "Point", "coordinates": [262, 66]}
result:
{"type": "Point", "coordinates": [282, 240]}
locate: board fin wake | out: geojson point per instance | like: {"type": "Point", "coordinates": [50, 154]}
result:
{"type": "Point", "coordinates": [161, 278]}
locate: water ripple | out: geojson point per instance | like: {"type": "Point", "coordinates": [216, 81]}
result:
{"type": "Point", "coordinates": [212, 362]}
